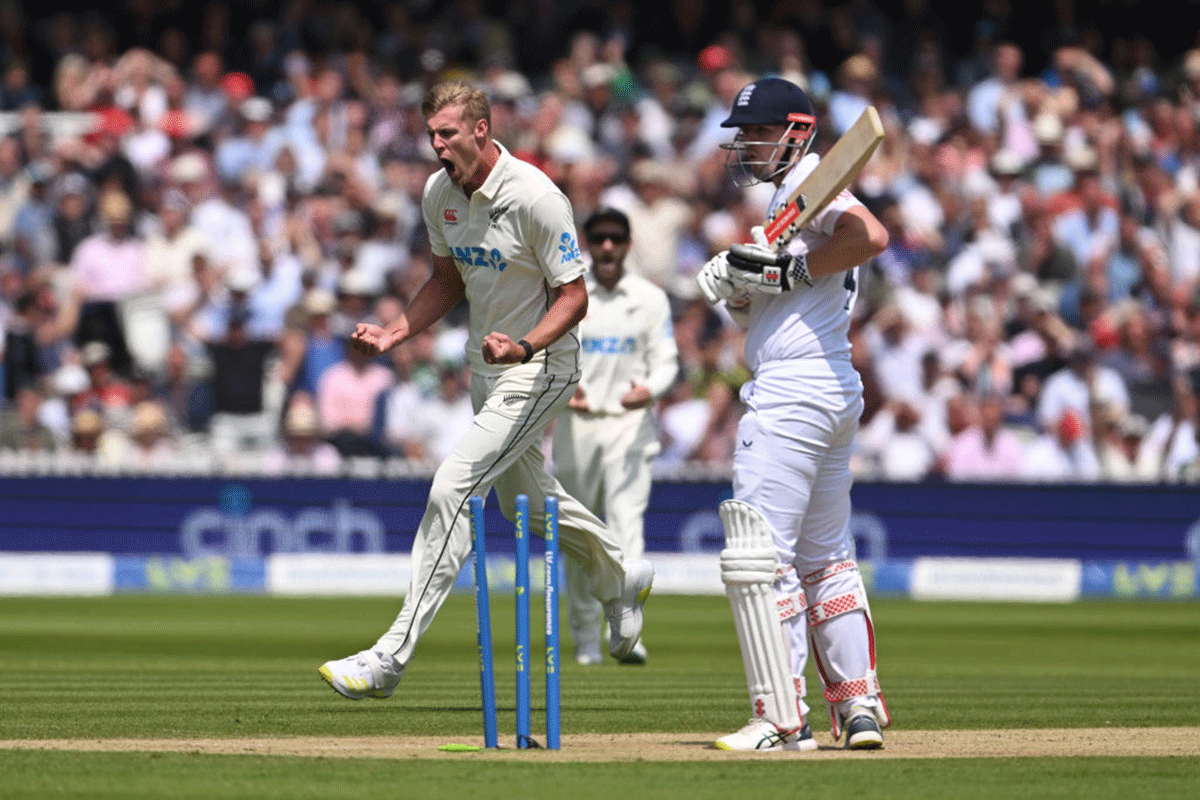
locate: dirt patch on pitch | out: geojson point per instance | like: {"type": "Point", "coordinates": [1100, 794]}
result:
{"type": "Point", "coordinates": [667, 747]}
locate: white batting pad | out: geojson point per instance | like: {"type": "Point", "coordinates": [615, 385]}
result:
{"type": "Point", "coordinates": [793, 619]}
{"type": "Point", "coordinates": [843, 640]}
{"type": "Point", "coordinates": [748, 569]}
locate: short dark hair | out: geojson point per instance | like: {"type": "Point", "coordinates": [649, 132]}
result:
{"type": "Point", "coordinates": [606, 214]}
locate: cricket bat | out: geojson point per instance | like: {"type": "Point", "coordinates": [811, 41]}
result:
{"type": "Point", "coordinates": [836, 170]}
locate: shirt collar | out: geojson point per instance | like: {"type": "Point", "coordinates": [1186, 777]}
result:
{"type": "Point", "coordinates": [491, 185]}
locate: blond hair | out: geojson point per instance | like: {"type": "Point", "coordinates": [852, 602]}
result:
{"type": "Point", "coordinates": [472, 101]}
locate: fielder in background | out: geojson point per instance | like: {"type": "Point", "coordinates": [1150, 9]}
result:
{"type": "Point", "coordinates": [788, 560]}
{"type": "Point", "coordinates": [502, 236]}
{"type": "Point", "coordinates": [605, 445]}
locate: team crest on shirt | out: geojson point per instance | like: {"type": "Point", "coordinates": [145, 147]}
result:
{"type": "Point", "coordinates": [450, 215]}
{"type": "Point", "coordinates": [568, 247]}
{"type": "Point", "coordinates": [494, 215]}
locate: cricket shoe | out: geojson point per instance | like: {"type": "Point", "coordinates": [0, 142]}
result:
{"type": "Point", "coordinates": [588, 654]}
{"type": "Point", "coordinates": [862, 729]}
{"type": "Point", "coordinates": [364, 674]}
{"type": "Point", "coordinates": [637, 656]}
{"type": "Point", "coordinates": [762, 736]}
{"type": "Point", "coordinates": [625, 612]}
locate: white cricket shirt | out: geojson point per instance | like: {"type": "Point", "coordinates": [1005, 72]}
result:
{"type": "Point", "coordinates": [626, 336]}
{"type": "Point", "coordinates": [512, 240]}
{"type": "Point", "coordinates": [808, 321]}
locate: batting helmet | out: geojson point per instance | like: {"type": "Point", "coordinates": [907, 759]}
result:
{"type": "Point", "coordinates": [770, 101]}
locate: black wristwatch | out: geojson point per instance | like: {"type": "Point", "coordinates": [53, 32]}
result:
{"type": "Point", "coordinates": [528, 351]}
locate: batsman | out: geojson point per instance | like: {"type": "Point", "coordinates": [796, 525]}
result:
{"type": "Point", "coordinates": [788, 563]}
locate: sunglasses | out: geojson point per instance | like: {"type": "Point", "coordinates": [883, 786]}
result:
{"type": "Point", "coordinates": [601, 238]}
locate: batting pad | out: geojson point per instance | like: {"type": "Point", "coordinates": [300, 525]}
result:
{"type": "Point", "coordinates": [793, 619]}
{"type": "Point", "coordinates": [748, 570]}
{"type": "Point", "coordinates": [843, 640]}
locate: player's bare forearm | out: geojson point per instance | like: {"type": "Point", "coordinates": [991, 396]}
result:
{"type": "Point", "coordinates": [568, 306]}
{"type": "Point", "coordinates": [857, 237]}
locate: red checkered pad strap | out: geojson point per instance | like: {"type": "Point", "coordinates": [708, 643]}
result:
{"type": "Point", "coordinates": [865, 686]}
{"type": "Point", "coordinates": [829, 572]}
{"type": "Point", "coordinates": [836, 606]}
{"type": "Point", "coordinates": [791, 605]}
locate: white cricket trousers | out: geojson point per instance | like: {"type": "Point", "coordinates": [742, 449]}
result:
{"type": "Point", "coordinates": [792, 463]}
{"type": "Point", "coordinates": [502, 451]}
{"type": "Point", "coordinates": [605, 461]}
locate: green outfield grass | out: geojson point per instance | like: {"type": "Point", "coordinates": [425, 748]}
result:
{"type": "Point", "coordinates": [222, 667]}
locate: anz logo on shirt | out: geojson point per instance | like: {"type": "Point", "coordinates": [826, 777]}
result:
{"type": "Point", "coordinates": [478, 257]}
{"type": "Point", "coordinates": [568, 248]}
{"type": "Point", "coordinates": [614, 345]}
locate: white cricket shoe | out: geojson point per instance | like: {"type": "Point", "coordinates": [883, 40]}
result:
{"type": "Point", "coordinates": [588, 654]}
{"type": "Point", "coordinates": [862, 729]}
{"type": "Point", "coordinates": [762, 735]}
{"type": "Point", "coordinates": [364, 674]}
{"type": "Point", "coordinates": [625, 612]}
{"type": "Point", "coordinates": [637, 656]}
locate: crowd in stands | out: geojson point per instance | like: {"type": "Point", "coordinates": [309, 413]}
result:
{"type": "Point", "coordinates": [190, 227]}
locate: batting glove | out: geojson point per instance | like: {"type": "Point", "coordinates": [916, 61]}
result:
{"type": "Point", "coordinates": [758, 267]}
{"type": "Point", "coordinates": [713, 279]}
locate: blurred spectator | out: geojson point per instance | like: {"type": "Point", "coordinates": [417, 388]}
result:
{"type": "Point", "coordinates": [857, 79]}
{"type": "Point", "coordinates": [240, 421]}
{"type": "Point", "coordinates": [382, 252]}
{"type": "Point", "coordinates": [185, 389]}
{"type": "Point", "coordinates": [1184, 237]}
{"type": "Point", "coordinates": [355, 301]}
{"type": "Point", "coordinates": [22, 364]}
{"type": "Point", "coordinates": [310, 347]}
{"type": "Point", "coordinates": [109, 267]}
{"type": "Point", "coordinates": [151, 442]}
{"type": "Point", "coordinates": [279, 288]}
{"type": "Point", "coordinates": [1078, 385]}
{"type": "Point", "coordinates": [17, 89]}
{"type": "Point", "coordinates": [895, 352]}
{"type": "Point", "coordinates": [54, 411]}
{"type": "Point", "coordinates": [717, 378]}
{"type": "Point", "coordinates": [20, 427]}
{"type": "Point", "coordinates": [1116, 438]}
{"type": "Point", "coordinates": [345, 399]}
{"type": "Point", "coordinates": [72, 219]}
{"type": "Point", "coordinates": [171, 252]}
{"type": "Point", "coordinates": [1171, 441]}
{"type": "Point", "coordinates": [994, 105]}
{"type": "Point", "coordinates": [251, 149]}
{"type": "Point", "coordinates": [33, 225]}
{"type": "Point", "coordinates": [206, 98]}
{"type": "Point", "coordinates": [682, 419]}
{"type": "Point", "coordinates": [444, 417]}
{"type": "Point", "coordinates": [896, 444]}
{"type": "Point", "coordinates": [1141, 359]}
{"type": "Point", "coordinates": [87, 428]}
{"type": "Point", "coordinates": [986, 451]}
{"type": "Point", "coordinates": [981, 359]}
{"type": "Point", "coordinates": [302, 448]}
{"type": "Point", "coordinates": [1064, 454]}
{"type": "Point", "coordinates": [107, 393]}
{"type": "Point", "coordinates": [14, 186]}
{"type": "Point", "coordinates": [658, 219]}
{"type": "Point", "coordinates": [216, 215]}
{"type": "Point", "coordinates": [1049, 173]}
